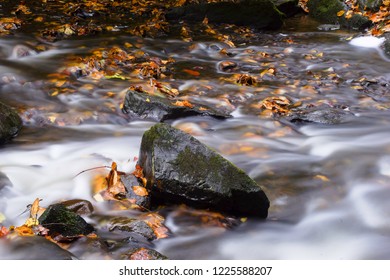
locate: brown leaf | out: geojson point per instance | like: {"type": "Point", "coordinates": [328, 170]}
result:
{"type": "Point", "coordinates": [140, 191]}
{"type": "Point", "coordinates": [183, 103]}
{"type": "Point", "coordinates": [115, 186]}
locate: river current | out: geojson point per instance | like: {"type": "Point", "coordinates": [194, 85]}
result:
{"type": "Point", "coordinates": [328, 185]}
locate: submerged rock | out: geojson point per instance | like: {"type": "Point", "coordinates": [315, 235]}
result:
{"type": "Point", "coordinates": [262, 14]}
{"type": "Point", "coordinates": [79, 206]}
{"type": "Point", "coordinates": [34, 248]}
{"type": "Point", "coordinates": [134, 191]}
{"type": "Point", "coordinates": [62, 221]}
{"type": "Point", "coordinates": [180, 169]}
{"type": "Point", "coordinates": [10, 123]}
{"type": "Point", "coordinates": [126, 224]}
{"type": "Point", "coordinates": [147, 106]}
{"type": "Point", "coordinates": [319, 114]}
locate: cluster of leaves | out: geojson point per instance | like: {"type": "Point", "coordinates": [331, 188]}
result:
{"type": "Point", "coordinates": [53, 20]}
{"type": "Point", "coordinates": [380, 18]}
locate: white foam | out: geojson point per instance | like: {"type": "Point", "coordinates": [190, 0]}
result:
{"type": "Point", "coordinates": [367, 42]}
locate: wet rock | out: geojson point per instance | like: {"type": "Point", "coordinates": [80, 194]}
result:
{"type": "Point", "coordinates": [64, 222]}
{"type": "Point", "coordinates": [373, 5]}
{"type": "Point", "coordinates": [34, 248]}
{"type": "Point", "coordinates": [288, 7]}
{"type": "Point", "coordinates": [323, 114]}
{"type": "Point", "coordinates": [146, 106]}
{"type": "Point", "coordinates": [180, 169]}
{"type": "Point", "coordinates": [326, 11]}
{"type": "Point", "coordinates": [386, 45]}
{"type": "Point", "coordinates": [79, 206]}
{"type": "Point", "coordinates": [10, 123]}
{"type": "Point", "coordinates": [143, 254]}
{"type": "Point", "coordinates": [261, 14]}
{"type": "Point", "coordinates": [132, 225]}
{"type": "Point", "coordinates": [132, 184]}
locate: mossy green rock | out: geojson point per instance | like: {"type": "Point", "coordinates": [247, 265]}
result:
{"type": "Point", "coordinates": [62, 221]}
{"type": "Point", "coordinates": [10, 123]}
{"type": "Point", "coordinates": [326, 11]}
{"type": "Point", "coordinates": [180, 169]}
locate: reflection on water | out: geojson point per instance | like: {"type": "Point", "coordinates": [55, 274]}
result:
{"type": "Point", "coordinates": [328, 184]}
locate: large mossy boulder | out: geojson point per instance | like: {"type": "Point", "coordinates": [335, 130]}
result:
{"type": "Point", "coordinates": [10, 123]}
{"type": "Point", "coordinates": [326, 11]}
{"type": "Point", "coordinates": [180, 169]}
{"type": "Point", "coordinates": [158, 108]}
{"type": "Point", "coordinates": [262, 14]}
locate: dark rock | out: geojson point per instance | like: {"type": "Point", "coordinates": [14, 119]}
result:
{"type": "Point", "coordinates": [34, 248]}
{"type": "Point", "coordinates": [372, 5]}
{"type": "Point", "coordinates": [130, 182]}
{"type": "Point", "coordinates": [132, 225]}
{"type": "Point", "coordinates": [261, 14]}
{"type": "Point", "coordinates": [326, 11]}
{"type": "Point", "coordinates": [288, 7]}
{"type": "Point", "coordinates": [143, 254]}
{"type": "Point", "coordinates": [180, 169]}
{"type": "Point", "coordinates": [386, 45]}
{"type": "Point", "coordinates": [62, 221]}
{"type": "Point", "coordinates": [158, 108]}
{"type": "Point", "coordinates": [10, 123]}
{"type": "Point", "coordinates": [79, 206]}
{"type": "Point", "coordinates": [319, 114]}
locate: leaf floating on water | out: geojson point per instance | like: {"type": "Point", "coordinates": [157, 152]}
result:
{"type": "Point", "coordinates": [322, 178]}
{"type": "Point", "coordinates": [3, 231]}
{"type": "Point", "coordinates": [2, 217]}
{"type": "Point", "coordinates": [192, 72]}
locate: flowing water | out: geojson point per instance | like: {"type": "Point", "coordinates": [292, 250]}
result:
{"type": "Point", "coordinates": [328, 185]}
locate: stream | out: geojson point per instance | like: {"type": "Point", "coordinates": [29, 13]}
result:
{"type": "Point", "coordinates": [328, 184]}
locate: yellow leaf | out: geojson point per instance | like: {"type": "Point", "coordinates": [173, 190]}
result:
{"type": "Point", "coordinates": [340, 13]}
{"type": "Point", "coordinates": [24, 231]}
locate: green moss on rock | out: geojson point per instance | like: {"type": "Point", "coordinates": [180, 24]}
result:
{"type": "Point", "coordinates": [180, 169]}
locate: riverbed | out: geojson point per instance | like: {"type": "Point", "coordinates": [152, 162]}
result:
{"type": "Point", "coordinates": [328, 183]}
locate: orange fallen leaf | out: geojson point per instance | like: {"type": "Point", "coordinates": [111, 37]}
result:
{"type": "Point", "coordinates": [24, 231]}
{"type": "Point", "coordinates": [140, 191]}
{"type": "Point", "coordinates": [115, 186]}
{"type": "Point", "coordinates": [3, 231]}
{"type": "Point", "coordinates": [191, 72]}
{"type": "Point", "coordinates": [340, 13]}
{"type": "Point", "coordinates": [183, 103]}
